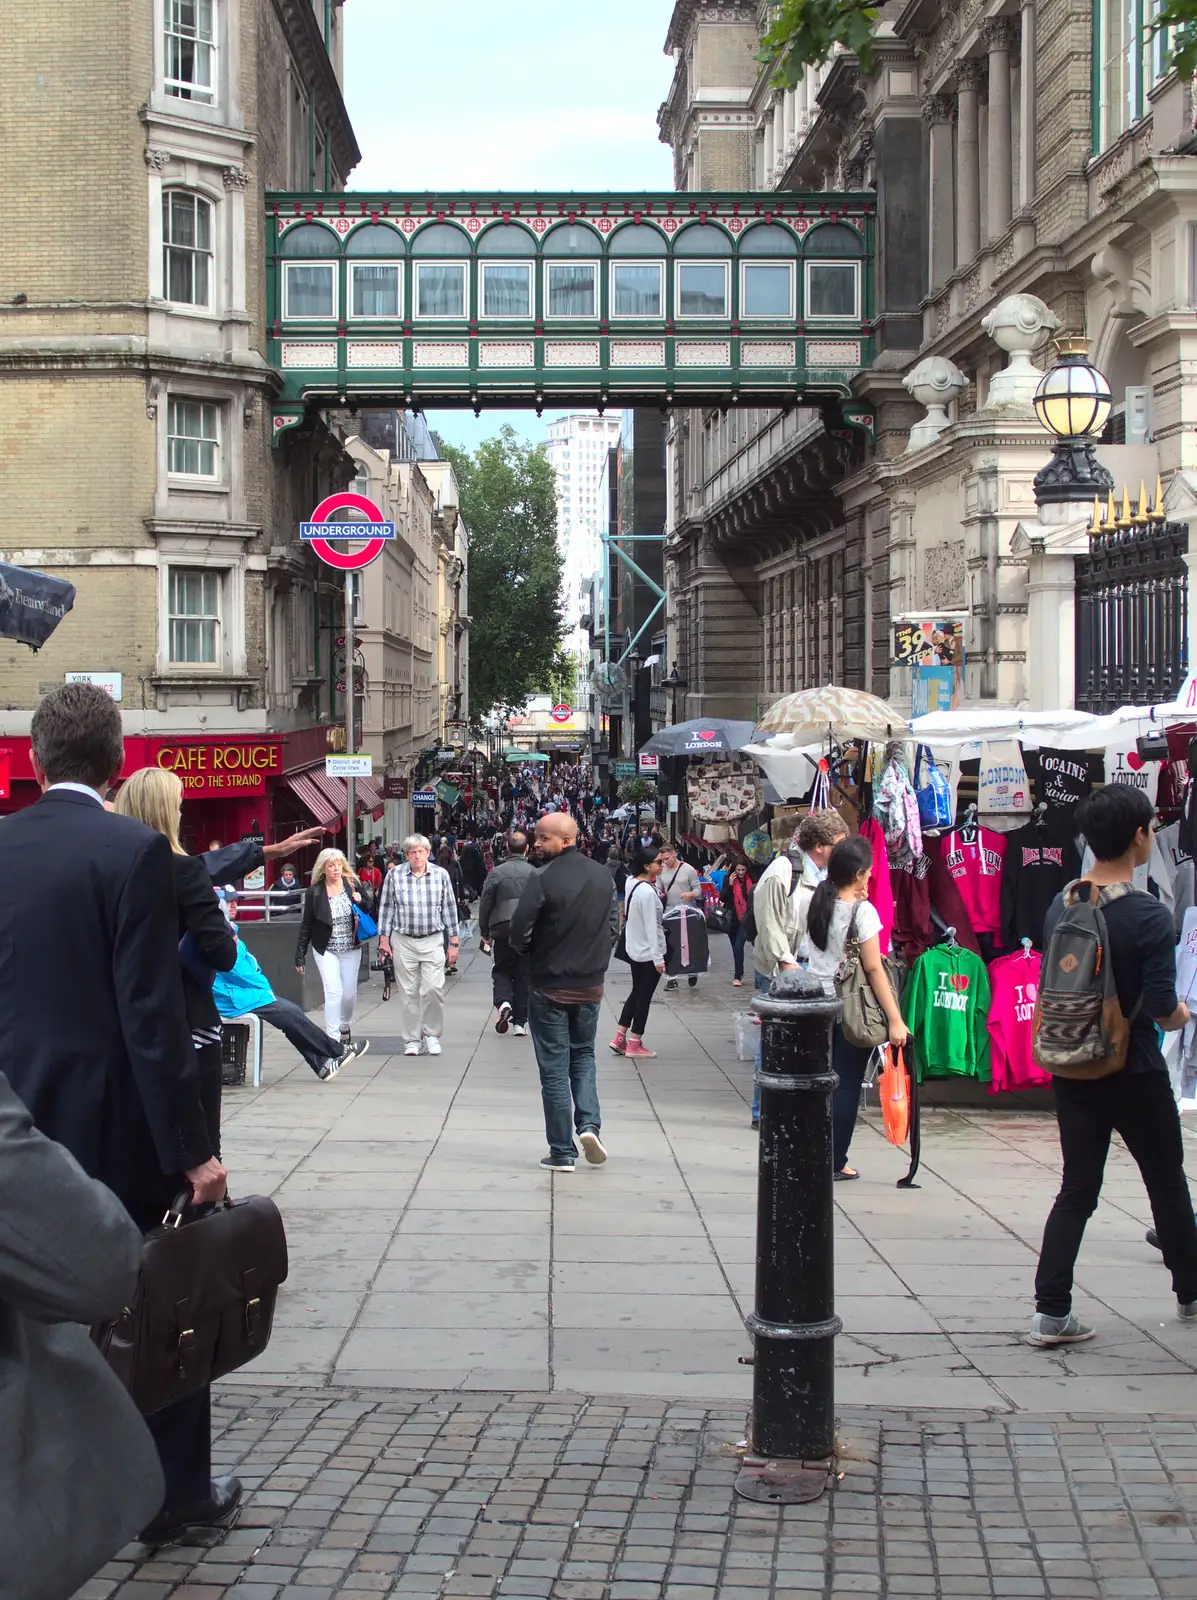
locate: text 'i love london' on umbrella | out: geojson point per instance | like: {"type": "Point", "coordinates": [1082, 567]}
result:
{"type": "Point", "coordinates": [716, 736]}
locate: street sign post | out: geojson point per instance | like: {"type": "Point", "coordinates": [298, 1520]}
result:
{"type": "Point", "coordinates": [320, 532]}
{"type": "Point", "coordinates": [348, 766]}
{"type": "Point", "coordinates": [424, 797]}
{"type": "Point", "coordinates": [649, 765]}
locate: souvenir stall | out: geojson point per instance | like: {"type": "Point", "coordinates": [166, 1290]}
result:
{"type": "Point", "coordinates": [972, 818]}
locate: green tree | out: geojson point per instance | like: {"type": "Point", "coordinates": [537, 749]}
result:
{"type": "Point", "coordinates": [509, 504]}
{"type": "Point", "coordinates": [804, 32]}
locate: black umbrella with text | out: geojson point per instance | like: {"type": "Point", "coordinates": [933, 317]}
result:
{"type": "Point", "coordinates": [714, 736]}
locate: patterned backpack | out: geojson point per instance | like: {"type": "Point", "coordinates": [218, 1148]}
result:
{"type": "Point", "coordinates": [1078, 1030]}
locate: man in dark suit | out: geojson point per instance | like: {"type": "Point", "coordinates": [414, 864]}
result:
{"type": "Point", "coordinates": [98, 1045]}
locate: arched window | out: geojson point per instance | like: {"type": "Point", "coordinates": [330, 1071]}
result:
{"type": "Point", "coordinates": [440, 286]}
{"type": "Point", "coordinates": [505, 287]}
{"type": "Point", "coordinates": [767, 287]}
{"type": "Point", "coordinates": [571, 285]}
{"type": "Point", "coordinates": [702, 239]}
{"type": "Point", "coordinates": [637, 288]}
{"type": "Point", "coordinates": [375, 286]}
{"type": "Point", "coordinates": [186, 248]}
{"type": "Point", "coordinates": [505, 239]}
{"type": "Point", "coordinates": [440, 240]}
{"type": "Point", "coordinates": [309, 239]}
{"type": "Point", "coordinates": [832, 286]}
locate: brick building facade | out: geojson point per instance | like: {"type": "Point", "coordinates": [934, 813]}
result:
{"type": "Point", "coordinates": [1015, 150]}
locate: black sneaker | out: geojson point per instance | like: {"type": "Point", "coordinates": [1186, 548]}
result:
{"type": "Point", "coordinates": [504, 1018]}
{"type": "Point", "coordinates": [670, 983]}
{"type": "Point", "coordinates": [693, 981]}
{"type": "Point", "coordinates": [559, 1163]}
{"type": "Point", "coordinates": [592, 1147]}
{"type": "Point", "coordinates": [330, 1068]}
{"type": "Point", "coordinates": [356, 1048]}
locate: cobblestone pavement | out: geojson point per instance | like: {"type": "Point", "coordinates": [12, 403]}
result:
{"type": "Point", "coordinates": [539, 1497]}
{"type": "Point", "coordinates": [430, 1251]}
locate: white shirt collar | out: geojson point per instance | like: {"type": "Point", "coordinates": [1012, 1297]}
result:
{"type": "Point", "coordinates": [78, 788]}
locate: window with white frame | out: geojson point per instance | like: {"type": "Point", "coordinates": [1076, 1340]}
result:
{"type": "Point", "coordinates": [193, 438]}
{"type": "Point", "coordinates": [1128, 61]}
{"type": "Point", "coordinates": [506, 288]}
{"type": "Point", "coordinates": [309, 289]}
{"type": "Point", "coordinates": [193, 613]}
{"type": "Point", "coordinates": [440, 288]}
{"type": "Point", "coordinates": [767, 289]}
{"type": "Point", "coordinates": [186, 248]}
{"type": "Point", "coordinates": [702, 289]}
{"type": "Point", "coordinates": [833, 291]}
{"type": "Point", "coordinates": [636, 288]}
{"type": "Point", "coordinates": [189, 50]}
{"type": "Point", "coordinates": [375, 288]}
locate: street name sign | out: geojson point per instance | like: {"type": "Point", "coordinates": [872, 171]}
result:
{"type": "Point", "coordinates": [349, 766]}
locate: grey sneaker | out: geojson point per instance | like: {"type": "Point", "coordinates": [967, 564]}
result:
{"type": "Point", "coordinates": [1048, 1331]}
{"type": "Point", "coordinates": [558, 1163]}
{"type": "Point", "coordinates": [357, 1047]}
{"type": "Point", "coordinates": [1186, 1313]}
{"type": "Point", "coordinates": [328, 1070]}
{"type": "Point", "coordinates": [592, 1147]}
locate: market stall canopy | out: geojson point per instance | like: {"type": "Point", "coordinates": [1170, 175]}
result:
{"type": "Point", "coordinates": [1062, 730]}
{"type": "Point", "coordinates": [32, 604]}
{"type": "Point", "coordinates": [816, 714]}
{"type": "Point", "coordinates": [790, 767]}
{"type": "Point", "coordinates": [716, 736]}
{"type": "Point", "coordinates": [524, 755]}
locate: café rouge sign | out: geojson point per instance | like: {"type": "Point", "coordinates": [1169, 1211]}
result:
{"type": "Point", "coordinates": [212, 769]}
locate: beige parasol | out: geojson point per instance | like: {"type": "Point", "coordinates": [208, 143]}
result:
{"type": "Point", "coordinates": [813, 714]}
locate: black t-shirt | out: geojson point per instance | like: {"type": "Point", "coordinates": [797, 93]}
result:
{"type": "Point", "coordinates": [1143, 949]}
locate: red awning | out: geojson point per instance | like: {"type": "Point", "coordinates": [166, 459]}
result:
{"type": "Point", "coordinates": [312, 798]}
{"type": "Point", "coordinates": [369, 797]}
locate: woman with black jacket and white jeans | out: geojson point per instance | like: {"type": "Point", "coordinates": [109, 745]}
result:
{"type": "Point", "coordinates": [644, 940]}
{"type": "Point", "coordinates": [329, 928]}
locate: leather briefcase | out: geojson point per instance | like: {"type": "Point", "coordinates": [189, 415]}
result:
{"type": "Point", "coordinates": [204, 1302]}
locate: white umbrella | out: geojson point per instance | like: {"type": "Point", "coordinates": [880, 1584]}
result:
{"type": "Point", "coordinates": [815, 714]}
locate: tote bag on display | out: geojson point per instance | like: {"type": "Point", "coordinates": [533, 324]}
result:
{"type": "Point", "coordinates": [1002, 785]}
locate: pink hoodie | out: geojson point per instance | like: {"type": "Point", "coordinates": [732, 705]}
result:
{"type": "Point", "coordinates": [977, 870]}
{"type": "Point", "coordinates": [881, 893]}
{"type": "Point", "coordinates": [1014, 981]}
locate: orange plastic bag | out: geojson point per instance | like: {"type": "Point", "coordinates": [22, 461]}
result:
{"type": "Point", "coordinates": [894, 1088]}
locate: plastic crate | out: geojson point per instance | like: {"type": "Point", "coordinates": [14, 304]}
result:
{"type": "Point", "coordinates": [234, 1052]}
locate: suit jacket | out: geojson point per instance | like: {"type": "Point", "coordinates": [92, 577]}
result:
{"type": "Point", "coordinates": [79, 1474]}
{"type": "Point", "coordinates": [92, 996]}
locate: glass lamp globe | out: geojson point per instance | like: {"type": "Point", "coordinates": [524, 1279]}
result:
{"type": "Point", "coordinates": [1073, 400]}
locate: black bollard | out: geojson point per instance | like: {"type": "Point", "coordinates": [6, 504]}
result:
{"type": "Point", "coordinates": [794, 1324]}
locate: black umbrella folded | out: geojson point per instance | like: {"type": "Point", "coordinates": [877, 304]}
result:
{"type": "Point", "coordinates": [714, 736]}
{"type": "Point", "coordinates": [32, 604]}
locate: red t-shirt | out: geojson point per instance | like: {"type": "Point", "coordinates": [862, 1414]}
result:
{"type": "Point", "coordinates": [977, 870]}
{"type": "Point", "coordinates": [371, 875]}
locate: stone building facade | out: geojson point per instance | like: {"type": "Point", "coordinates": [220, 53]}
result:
{"type": "Point", "coordinates": [1033, 150]}
{"type": "Point", "coordinates": [140, 137]}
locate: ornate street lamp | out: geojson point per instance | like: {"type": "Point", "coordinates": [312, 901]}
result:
{"type": "Point", "coordinates": [1073, 401]}
{"type": "Point", "coordinates": [673, 682]}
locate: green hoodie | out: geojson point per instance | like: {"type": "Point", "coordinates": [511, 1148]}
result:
{"type": "Point", "coordinates": [946, 1008]}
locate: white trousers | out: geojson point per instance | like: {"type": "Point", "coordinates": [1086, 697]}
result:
{"type": "Point", "coordinates": [420, 977]}
{"type": "Point", "coordinates": [338, 973]}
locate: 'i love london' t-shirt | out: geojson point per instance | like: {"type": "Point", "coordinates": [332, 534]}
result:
{"type": "Point", "coordinates": [946, 1008]}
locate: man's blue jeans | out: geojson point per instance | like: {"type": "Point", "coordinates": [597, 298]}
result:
{"type": "Point", "coordinates": [762, 987]}
{"type": "Point", "coordinates": [563, 1037]}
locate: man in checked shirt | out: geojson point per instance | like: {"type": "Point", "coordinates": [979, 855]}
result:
{"type": "Point", "coordinates": [417, 909]}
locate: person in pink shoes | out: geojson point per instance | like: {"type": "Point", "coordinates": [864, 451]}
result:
{"type": "Point", "coordinates": [644, 938]}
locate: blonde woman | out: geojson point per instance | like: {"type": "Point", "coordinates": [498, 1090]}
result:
{"type": "Point", "coordinates": [329, 927]}
{"type": "Point", "coordinates": [155, 797]}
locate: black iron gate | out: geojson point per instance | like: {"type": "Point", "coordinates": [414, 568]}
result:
{"type": "Point", "coordinates": [1132, 616]}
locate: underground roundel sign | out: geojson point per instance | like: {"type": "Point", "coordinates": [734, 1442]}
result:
{"type": "Point", "coordinates": [320, 532]}
{"type": "Point", "coordinates": [561, 712]}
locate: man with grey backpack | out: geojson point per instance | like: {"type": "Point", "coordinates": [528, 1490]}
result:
{"type": "Point", "coordinates": [500, 896]}
{"type": "Point", "coordinates": [1108, 977]}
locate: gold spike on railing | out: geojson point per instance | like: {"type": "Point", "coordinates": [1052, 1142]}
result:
{"type": "Point", "coordinates": [1095, 525]}
{"type": "Point", "coordinates": [1124, 521]}
{"type": "Point", "coordinates": [1110, 523]}
{"type": "Point", "coordinates": [1142, 515]}
{"type": "Point", "coordinates": [1158, 509]}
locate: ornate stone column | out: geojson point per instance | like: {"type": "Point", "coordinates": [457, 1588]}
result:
{"type": "Point", "coordinates": [938, 111]}
{"type": "Point", "coordinates": [770, 149]}
{"type": "Point", "coordinates": [968, 159]}
{"type": "Point", "coordinates": [998, 34]}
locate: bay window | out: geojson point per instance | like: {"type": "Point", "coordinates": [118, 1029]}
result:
{"type": "Point", "coordinates": [702, 289]}
{"type": "Point", "coordinates": [571, 289]}
{"type": "Point", "coordinates": [767, 289]}
{"type": "Point", "coordinates": [440, 289]}
{"type": "Point", "coordinates": [189, 50]}
{"type": "Point", "coordinates": [1127, 61]}
{"type": "Point", "coordinates": [506, 289]}
{"type": "Point", "coordinates": [186, 248]}
{"type": "Point", "coordinates": [193, 611]}
{"type": "Point", "coordinates": [636, 289]}
{"type": "Point", "coordinates": [192, 438]}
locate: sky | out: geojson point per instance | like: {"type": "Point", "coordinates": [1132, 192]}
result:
{"type": "Point", "coordinates": [527, 94]}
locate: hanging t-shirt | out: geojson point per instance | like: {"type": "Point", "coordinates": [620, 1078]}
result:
{"type": "Point", "coordinates": [975, 862]}
{"type": "Point", "coordinates": [1172, 848]}
{"type": "Point", "coordinates": [1040, 859]}
{"type": "Point", "coordinates": [881, 890]}
{"type": "Point", "coordinates": [946, 900]}
{"type": "Point", "coordinates": [913, 928]}
{"type": "Point", "coordinates": [1065, 778]}
{"type": "Point", "coordinates": [1002, 784]}
{"type": "Point", "coordinates": [1014, 983]}
{"type": "Point", "coordinates": [1155, 877]}
{"type": "Point", "coordinates": [1124, 764]}
{"type": "Point", "coordinates": [946, 1008]}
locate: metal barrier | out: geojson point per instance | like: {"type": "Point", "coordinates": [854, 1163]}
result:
{"type": "Point", "coordinates": [269, 905]}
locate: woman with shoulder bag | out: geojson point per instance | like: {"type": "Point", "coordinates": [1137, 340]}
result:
{"type": "Point", "coordinates": [330, 928]}
{"type": "Point", "coordinates": [842, 932]}
{"type": "Point", "coordinates": [643, 938]}
{"type": "Point", "coordinates": [735, 898]}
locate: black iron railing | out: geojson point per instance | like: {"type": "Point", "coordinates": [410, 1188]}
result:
{"type": "Point", "coordinates": [1132, 614]}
